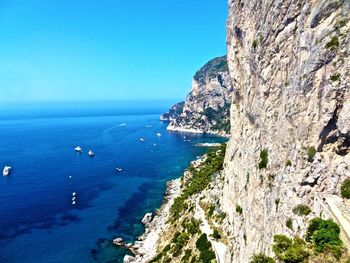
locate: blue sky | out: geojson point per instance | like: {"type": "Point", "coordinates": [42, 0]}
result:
{"type": "Point", "coordinates": [69, 50]}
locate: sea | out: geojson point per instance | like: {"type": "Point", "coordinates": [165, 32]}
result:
{"type": "Point", "coordinates": [39, 222]}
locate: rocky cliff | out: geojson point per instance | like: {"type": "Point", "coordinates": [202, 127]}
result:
{"type": "Point", "coordinates": [173, 113]}
{"type": "Point", "coordinates": [290, 135]}
{"type": "Point", "coordinates": [288, 152]}
{"type": "Point", "coordinates": [207, 106]}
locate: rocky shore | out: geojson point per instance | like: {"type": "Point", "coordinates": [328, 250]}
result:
{"type": "Point", "coordinates": [145, 248]}
{"type": "Point", "coordinates": [208, 144]}
{"type": "Point", "coordinates": [172, 127]}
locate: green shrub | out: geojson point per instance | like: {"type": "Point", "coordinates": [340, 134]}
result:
{"type": "Point", "coordinates": [194, 259]}
{"type": "Point", "coordinates": [325, 236]}
{"type": "Point", "coordinates": [216, 234]}
{"type": "Point", "coordinates": [255, 44]}
{"type": "Point", "coordinates": [314, 225]}
{"type": "Point", "coordinates": [345, 189]}
{"type": "Point", "coordinates": [167, 260]}
{"type": "Point", "coordinates": [206, 252]}
{"type": "Point", "coordinates": [187, 256]}
{"type": "Point", "coordinates": [289, 223]}
{"type": "Point", "coordinates": [166, 248]}
{"type": "Point", "coordinates": [176, 235]}
{"type": "Point", "coordinates": [335, 77]}
{"type": "Point", "coordinates": [179, 241]}
{"type": "Point", "coordinates": [333, 43]}
{"type": "Point", "coordinates": [311, 152]}
{"type": "Point", "coordinates": [222, 215]}
{"type": "Point", "coordinates": [192, 226]}
{"type": "Point", "coordinates": [263, 159]}
{"type": "Point", "coordinates": [281, 244]}
{"type": "Point", "coordinates": [302, 210]}
{"type": "Point", "coordinates": [211, 210]}
{"type": "Point", "coordinates": [182, 238]}
{"type": "Point", "coordinates": [288, 163]}
{"type": "Point", "coordinates": [261, 258]}
{"type": "Point", "coordinates": [239, 209]}
{"type": "Point", "coordinates": [277, 202]}
{"type": "Point", "coordinates": [328, 234]}
{"type": "Point", "coordinates": [177, 250]}
{"type": "Point", "coordinates": [288, 250]}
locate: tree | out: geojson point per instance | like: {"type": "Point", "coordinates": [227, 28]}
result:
{"type": "Point", "coordinates": [345, 189]}
{"type": "Point", "coordinates": [325, 236]}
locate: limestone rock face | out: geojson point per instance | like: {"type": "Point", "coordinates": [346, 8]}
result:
{"type": "Point", "coordinates": [173, 113]}
{"type": "Point", "coordinates": [207, 107]}
{"type": "Point", "coordinates": [289, 64]}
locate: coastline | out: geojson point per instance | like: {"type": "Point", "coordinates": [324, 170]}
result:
{"type": "Point", "coordinates": [197, 131]}
{"type": "Point", "coordinates": [146, 245]}
{"type": "Point", "coordinates": [159, 231]}
{"type": "Point", "coordinates": [145, 248]}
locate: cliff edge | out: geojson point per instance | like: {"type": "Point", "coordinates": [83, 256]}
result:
{"type": "Point", "coordinates": [279, 191]}
{"type": "Point", "coordinates": [207, 106]}
{"type": "Point", "coordinates": [290, 135]}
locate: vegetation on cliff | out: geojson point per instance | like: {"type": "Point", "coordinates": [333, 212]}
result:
{"type": "Point", "coordinates": [322, 240]}
{"type": "Point", "coordinates": [345, 189]}
{"type": "Point", "coordinates": [289, 64]}
{"type": "Point", "coordinates": [261, 258]}
{"type": "Point", "coordinates": [187, 242]}
{"type": "Point", "coordinates": [200, 179]}
{"type": "Point", "coordinates": [215, 116]}
{"type": "Point", "coordinates": [206, 252]}
{"type": "Point", "coordinates": [264, 155]}
{"type": "Point", "coordinates": [212, 68]}
{"type": "Point", "coordinates": [207, 106]}
{"type": "Point", "coordinates": [174, 112]}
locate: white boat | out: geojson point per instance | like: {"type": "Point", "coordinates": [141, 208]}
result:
{"type": "Point", "coordinates": [119, 169]}
{"type": "Point", "coordinates": [142, 139]}
{"type": "Point", "coordinates": [6, 171]}
{"type": "Point", "coordinates": [159, 134]}
{"type": "Point", "coordinates": [78, 149]}
{"type": "Point", "coordinates": [74, 194]}
{"type": "Point", "coordinates": [91, 153]}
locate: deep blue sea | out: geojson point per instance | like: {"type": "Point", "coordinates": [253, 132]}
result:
{"type": "Point", "coordinates": [38, 222]}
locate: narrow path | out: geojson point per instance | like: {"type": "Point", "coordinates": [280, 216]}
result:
{"type": "Point", "coordinates": [219, 247]}
{"type": "Point", "coordinates": [334, 205]}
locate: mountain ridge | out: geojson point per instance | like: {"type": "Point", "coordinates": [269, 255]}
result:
{"type": "Point", "coordinates": [207, 107]}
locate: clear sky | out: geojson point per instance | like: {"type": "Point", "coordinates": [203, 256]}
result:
{"type": "Point", "coordinates": [64, 50]}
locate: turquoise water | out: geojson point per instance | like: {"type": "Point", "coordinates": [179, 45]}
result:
{"type": "Point", "coordinates": [38, 222]}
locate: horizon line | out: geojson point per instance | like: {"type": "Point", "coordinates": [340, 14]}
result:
{"type": "Point", "coordinates": [91, 100]}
